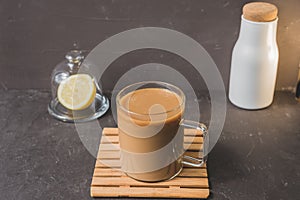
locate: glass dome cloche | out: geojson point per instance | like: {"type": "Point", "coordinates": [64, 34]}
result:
{"type": "Point", "coordinates": [76, 96]}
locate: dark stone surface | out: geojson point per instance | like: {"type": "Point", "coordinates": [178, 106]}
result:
{"type": "Point", "coordinates": [35, 35]}
{"type": "Point", "coordinates": [257, 156]}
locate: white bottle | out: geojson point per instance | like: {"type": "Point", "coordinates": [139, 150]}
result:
{"type": "Point", "coordinates": [254, 59]}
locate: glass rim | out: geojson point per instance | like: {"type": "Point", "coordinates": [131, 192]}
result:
{"type": "Point", "coordinates": [181, 95]}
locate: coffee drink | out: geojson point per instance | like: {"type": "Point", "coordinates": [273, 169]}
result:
{"type": "Point", "coordinates": [150, 133]}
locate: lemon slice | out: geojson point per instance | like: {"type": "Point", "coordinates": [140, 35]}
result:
{"type": "Point", "coordinates": [77, 92]}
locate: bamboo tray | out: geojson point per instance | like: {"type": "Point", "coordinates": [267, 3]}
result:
{"type": "Point", "coordinates": [110, 181]}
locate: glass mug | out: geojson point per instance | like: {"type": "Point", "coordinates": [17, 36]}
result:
{"type": "Point", "coordinates": [151, 131]}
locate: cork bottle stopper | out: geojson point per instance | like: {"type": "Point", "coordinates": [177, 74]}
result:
{"type": "Point", "coordinates": [260, 12]}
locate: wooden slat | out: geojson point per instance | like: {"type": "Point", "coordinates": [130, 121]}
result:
{"type": "Point", "coordinates": [116, 154]}
{"type": "Point", "coordinates": [114, 131]}
{"type": "Point", "coordinates": [115, 147]}
{"type": "Point", "coordinates": [149, 192]}
{"type": "Point", "coordinates": [109, 147]}
{"type": "Point", "coordinates": [98, 172]}
{"type": "Point", "coordinates": [178, 181]}
{"type": "Point", "coordinates": [193, 139]}
{"type": "Point", "coordinates": [110, 131]}
{"type": "Point", "coordinates": [108, 163]}
{"type": "Point", "coordinates": [192, 132]}
{"type": "Point", "coordinates": [193, 147]}
{"type": "Point", "coordinates": [194, 154]}
{"type": "Point", "coordinates": [116, 164]}
{"type": "Point", "coordinates": [187, 172]}
{"type": "Point", "coordinates": [108, 155]}
{"type": "Point", "coordinates": [187, 166]}
{"type": "Point", "coordinates": [115, 139]}
{"type": "Point", "coordinates": [109, 139]}
{"type": "Point", "coordinates": [193, 172]}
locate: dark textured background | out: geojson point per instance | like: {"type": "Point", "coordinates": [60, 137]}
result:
{"type": "Point", "coordinates": [35, 35]}
{"type": "Point", "coordinates": [257, 155]}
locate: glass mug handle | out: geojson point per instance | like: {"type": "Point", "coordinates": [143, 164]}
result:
{"type": "Point", "coordinates": [196, 162]}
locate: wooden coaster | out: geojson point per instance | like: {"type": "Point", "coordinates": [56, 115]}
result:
{"type": "Point", "coordinates": [109, 181]}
